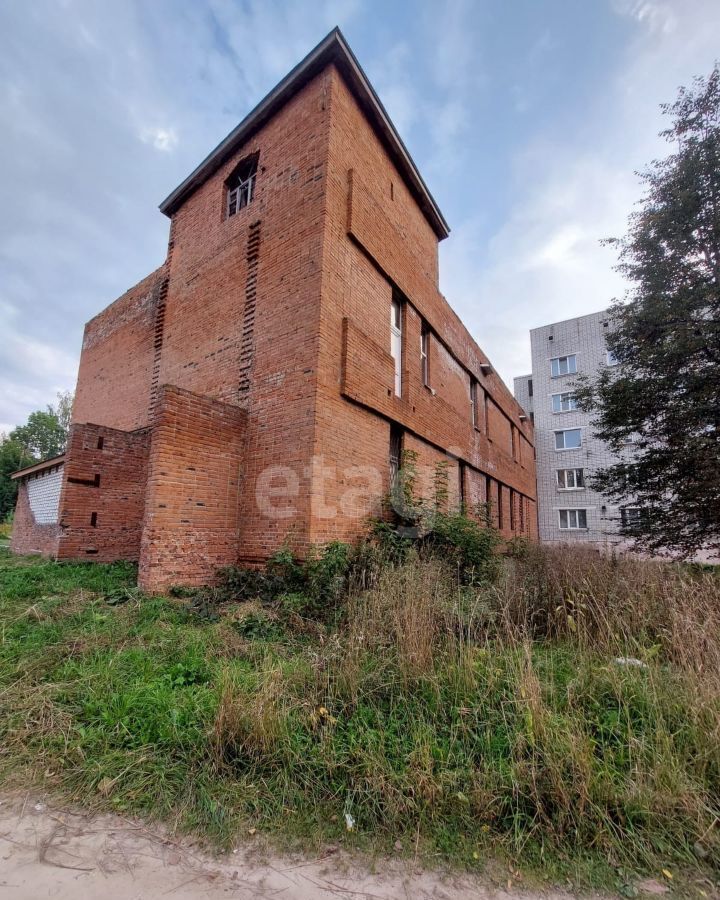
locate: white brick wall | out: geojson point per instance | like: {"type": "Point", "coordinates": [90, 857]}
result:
{"type": "Point", "coordinates": [44, 495]}
{"type": "Point", "coordinates": [585, 338]}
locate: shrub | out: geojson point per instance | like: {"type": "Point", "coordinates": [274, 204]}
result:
{"type": "Point", "coordinates": [469, 546]}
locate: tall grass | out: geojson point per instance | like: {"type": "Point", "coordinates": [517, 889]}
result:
{"type": "Point", "coordinates": [567, 707]}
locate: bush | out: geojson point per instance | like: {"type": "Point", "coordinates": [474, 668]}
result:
{"type": "Point", "coordinates": [469, 546]}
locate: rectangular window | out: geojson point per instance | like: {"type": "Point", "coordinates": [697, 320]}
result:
{"type": "Point", "coordinates": [499, 505]}
{"type": "Point", "coordinates": [395, 453]}
{"type": "Point", "coordinates": [240, 186]}
{"type": "Point", "coordinates": [630, 516]}
{"type": "Point", "coordinates": [569, 439]}
{"type": "Point", "coordinates": [570, 479]}
{"type": "Point", "coordinates": [474, 405]}
{"type": "Point", "coordinates": [564, 402]}
{"type": "Point", "coordinates": [573, 519]}
{"type": "Point", "coordinates": [563, 365]}
{"type": "Point", "coordinates": [396, 342]}
{"type": "Point", "coordinates": [461, 485]}
{"type": "Point", "coordinates": [424, 354]}
{"type": "Point", "coordinates": [530, 387]}
{"type": "Point", "coordinates": [521, 511]}
{"type": "Point", "coordinates": [512, 509]}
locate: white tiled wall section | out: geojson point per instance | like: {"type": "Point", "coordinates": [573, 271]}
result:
{"type": "Point", "coordinates": [44, 495]}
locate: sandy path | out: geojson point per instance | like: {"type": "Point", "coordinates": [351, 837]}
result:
{"type": "Point", "coordinates": [59, 853]}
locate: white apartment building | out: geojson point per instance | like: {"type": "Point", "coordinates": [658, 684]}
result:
{"type": "Point", "coordinates": [568, 453]}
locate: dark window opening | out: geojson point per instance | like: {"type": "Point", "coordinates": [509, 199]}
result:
{"type": "Point", "coordinates": [240, 186]}
{"type": "Point", "coordinates": [101, 441]}
{"type": "Point", "coordinates": [461, 486]}
{"type": "Point", "coordinates": [395, 453]}
{"type": "Point", "coordinates": [425, 354]}
{"type": "Point", "coordinates": [93, 520]}
{"type": "Point", "coordinates": [499, 505]}
{"type": "Point", "coordinates": [474, 404]}
{"type": "Point", "coordinates": [530, 387]}
{"type": "Point", "coordinates": [512, 509]}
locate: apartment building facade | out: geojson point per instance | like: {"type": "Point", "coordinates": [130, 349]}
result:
{"type": "Point", "coordinates": [260, 386]}
{"type": "Point", "coordinates": [568, 452]}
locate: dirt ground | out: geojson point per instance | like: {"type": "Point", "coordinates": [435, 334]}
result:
{"type": "Point", "coordinates": [47, 851]}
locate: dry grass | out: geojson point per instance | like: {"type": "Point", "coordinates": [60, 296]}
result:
{"type": "Point", "coordinates": [568, 710]}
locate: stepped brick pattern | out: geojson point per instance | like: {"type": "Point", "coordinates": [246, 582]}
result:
{"type": "Point", "coordinates": [245, 391]}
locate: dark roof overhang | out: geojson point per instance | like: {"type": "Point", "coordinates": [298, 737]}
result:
{"type": "Point", "coordinates": [332, 49]}
{"type": "Point", "coordinates": [40, 467]}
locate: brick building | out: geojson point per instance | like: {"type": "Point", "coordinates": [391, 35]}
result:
{"type": "Point", "coordinates": [258, 387]}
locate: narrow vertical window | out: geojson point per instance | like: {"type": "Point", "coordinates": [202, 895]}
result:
{"type": "Point", "coordinates": [474, 406]}
{"type": "Point", "coordinates": [424, 354]}
{"type": "Point", "coordinates": [521, 511]}
{"type": "Point", "coordinates": [461, 485]}
{"type": "Point", "coordinates": [395, 454]}
{"type": "Point", "coordinates": [396, 342]}
{"type": "Point", "coordinates": [499, 505]}
{"type": "Point", "coordinates": [512, 510]}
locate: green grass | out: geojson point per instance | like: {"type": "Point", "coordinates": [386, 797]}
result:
{"type": "Point", "coordinates": [544, 751]}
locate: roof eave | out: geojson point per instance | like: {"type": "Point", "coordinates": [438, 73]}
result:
{"type": "Point", "coordinates": [39, 466]}
{"type": "Point", "coordinates": [333, 48]}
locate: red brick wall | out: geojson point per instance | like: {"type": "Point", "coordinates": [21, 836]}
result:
{"type": "Point", "coordinates": [377, 236]}
{"type": "Point", "coordinates": [103, 495]}
{"type": "Point", "coordinates": [116, 362]}
{"type": "Point", "coordinates": [192, 518]}
{"type": "Point", "coordinates": [27, 535]}
{"type": "Point", "coordinates": [210, 334]}
{"type": "Point", "coordinates": [282, 311]}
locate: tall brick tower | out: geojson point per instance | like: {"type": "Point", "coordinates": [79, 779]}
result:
{"type": "Point", "coordinates": [260, 385]}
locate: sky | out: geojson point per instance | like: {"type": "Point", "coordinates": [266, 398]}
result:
{"type": "Point", "coordinates": [528, 119]}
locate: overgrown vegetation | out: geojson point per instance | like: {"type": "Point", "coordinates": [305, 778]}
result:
{"type": "Point", "coordinates": [563, 710]}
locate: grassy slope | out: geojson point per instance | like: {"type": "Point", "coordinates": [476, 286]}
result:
{"type": "Point", "coordinates": [546, 751]}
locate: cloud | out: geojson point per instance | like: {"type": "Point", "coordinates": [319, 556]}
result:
{"type": "Point", "coordinates": [163, 139]}
{"type": "Point", "coordinates": [544, 262]}
{"type": "Point", "coordinates": [104, 109]}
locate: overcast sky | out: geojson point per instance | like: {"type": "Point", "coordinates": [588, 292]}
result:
{"type": "Point", "coordinates": [528, 119]}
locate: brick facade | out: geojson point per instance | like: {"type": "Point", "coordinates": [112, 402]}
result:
{"type": "Point", "coordinates": [103, 497]}
{"type": "Point", "coordinates": [256, 361]}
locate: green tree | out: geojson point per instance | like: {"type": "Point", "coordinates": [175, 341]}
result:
{"type": "Point", "coordinates": [665, 391]}
{"type": "Point", "coordinates": [43, 436]}
{"type": "Point", "coordinates": [13, 456]}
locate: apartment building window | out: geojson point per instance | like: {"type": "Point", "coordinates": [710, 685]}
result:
{"type": "Point", "coordinates": [570, 479]}
{"type": "Point", "coordinates": [396, 342]}
{"type": "Point", "coordinates": [521, 512]}
{"type": "Point", "coordinates": [461, 486]}
{"type": "Point", "coordinates": [499, 506]}
{"type": "Point", "coordinates": [424, 354]}
{"type": "Point", "coordinates": [240, 186]}
{"type": "Point", "coordinates": [564, 402]}
{"type": "Point", "coordinates": [563, 365]}
{"type": "Point", "coordinates": [530, 387]}
{"type": "Point", "coordinates": [568, 439]}
{"type": "Point", "coordinates": [630, 516]}
{"type": "Point", "coordinates": [573, 519]}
